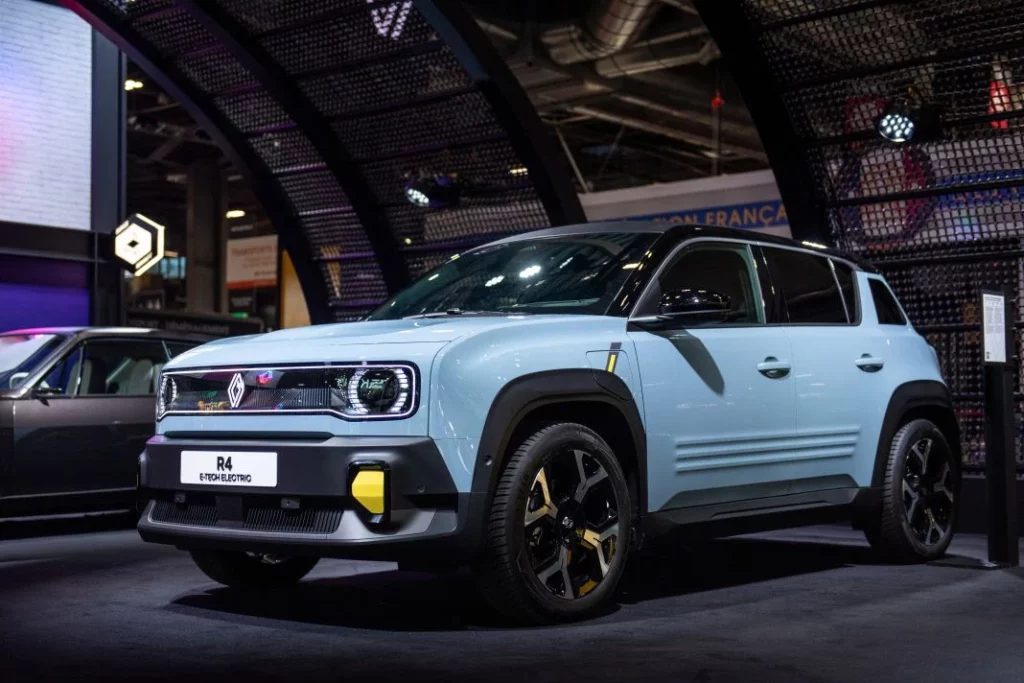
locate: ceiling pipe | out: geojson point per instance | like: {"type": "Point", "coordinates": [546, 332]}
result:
{"type": "Point", "coordinates": [608, 28]}
{"type": "Point", "coordinates": [656, 129]}
{"type": "Point", "coordinates": [642, 60]}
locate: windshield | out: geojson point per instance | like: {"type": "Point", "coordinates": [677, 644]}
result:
{"type": "Point", "coordinates": [21, 354]}
{"type": "Point", "coordinates": [566, 274]}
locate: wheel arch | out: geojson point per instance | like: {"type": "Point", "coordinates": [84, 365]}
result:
{"type": "Point", "coordinates": [927, 399]}
{"type": "Point", "coordinates": [599, 400]}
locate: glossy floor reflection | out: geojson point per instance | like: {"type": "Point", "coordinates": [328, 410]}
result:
{"type": "Point", "coordinates": [804, 605]}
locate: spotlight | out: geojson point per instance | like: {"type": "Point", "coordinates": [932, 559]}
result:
{"type": "Point", "coordinates": [895, 126]}
{"type": "Point", "coordinates": [434, 190]}
{"type": "Point", "coordinates": [906, 119]}
{"type": "Point", "coordinates": [132, 84]}
{"type": "Point", "coordinates": [235, 213]}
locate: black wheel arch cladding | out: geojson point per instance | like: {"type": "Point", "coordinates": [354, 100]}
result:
{"type": "Point", "coordinates": [525, 394]}
{"type": "Point", "coordinates": [919, 398]}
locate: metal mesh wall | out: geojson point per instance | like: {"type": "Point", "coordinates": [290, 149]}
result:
{"type": "Point", "coordinates": [942, 216]}
{"type": "Point", "coordinates": [336, 102]}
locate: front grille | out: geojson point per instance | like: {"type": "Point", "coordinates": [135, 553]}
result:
{"type": "Point", "coordinates": [189, 514]}
{"type": "Point", "coordinates": [368, 390]}
{"type": "Point", "coordinates": [308, 521]}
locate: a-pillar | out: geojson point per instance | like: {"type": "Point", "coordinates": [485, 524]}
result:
{"type": "Point", "coordinates": [204, 277]}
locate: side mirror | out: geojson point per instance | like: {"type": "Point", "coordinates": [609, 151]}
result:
{"type": "Point", "coordinates": [704, 305]}
{"type": "Point", "coordinates": [16, 379]}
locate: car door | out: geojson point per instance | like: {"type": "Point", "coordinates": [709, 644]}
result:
{"type": "Point", "coordinates": [839, 392]}
{"type": "Point", "coordinates": [718, 393]}
{"type": "Point", "coordinates": [78, 434]}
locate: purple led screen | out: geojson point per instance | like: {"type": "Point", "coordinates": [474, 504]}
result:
{"type": "Point", "coordinates": [42, 293]}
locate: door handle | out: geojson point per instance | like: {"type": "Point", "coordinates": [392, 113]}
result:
{"type": "Point", "coordinates": [773, 368]}
{"type": "Point", "coordinates": [869, 363]}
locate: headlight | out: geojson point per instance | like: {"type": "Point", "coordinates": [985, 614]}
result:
{"type": "Point", "coordinates": [357, 392]}
{"type": "Point", "coordinates": [166, 396]}
{"type": "Point", "coordinates": [378, 391]}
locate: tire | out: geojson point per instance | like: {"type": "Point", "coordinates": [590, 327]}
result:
{"type": "Point", "coordinates": [920, 496]}
{"type": "Point", "coordinates": [529, 546]}
{"type": "Point", "coordinates": [237, 569]}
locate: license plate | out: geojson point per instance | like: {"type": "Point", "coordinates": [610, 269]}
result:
{"type": "Point", "coordinates": [229, 468]}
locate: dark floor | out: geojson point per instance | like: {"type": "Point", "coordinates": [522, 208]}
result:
{"type": "Point", "coordinates": [807, 605]}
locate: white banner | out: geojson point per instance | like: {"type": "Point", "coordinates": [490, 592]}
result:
{"type": "Point", "coordinates": [252, 262]}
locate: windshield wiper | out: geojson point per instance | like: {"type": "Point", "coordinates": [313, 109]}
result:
{"type": "Point", "coordinates": [452, 311]}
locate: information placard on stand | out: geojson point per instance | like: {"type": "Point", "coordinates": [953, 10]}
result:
{"type": "Point", "coordinates": [1000, 449]}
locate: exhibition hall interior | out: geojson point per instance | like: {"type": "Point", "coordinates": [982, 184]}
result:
{"type": "Point", "coordinates": [507, 340]}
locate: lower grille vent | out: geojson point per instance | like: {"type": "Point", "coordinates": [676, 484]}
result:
{"type": "Point", "coordinates": [191, 514]}
{"type": "Point", "coordinates": [308, 521]}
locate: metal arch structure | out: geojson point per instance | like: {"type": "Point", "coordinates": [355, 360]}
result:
{"type": "Point", "coordinates": [327, 106]}
{"type": "Point", "coordinates": [941, 214]}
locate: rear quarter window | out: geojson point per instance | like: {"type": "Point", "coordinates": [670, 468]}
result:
{"type": "Point", "coordinates": [888, 310]}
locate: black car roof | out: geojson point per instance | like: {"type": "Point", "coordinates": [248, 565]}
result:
{"type": "Point", "coordinates": [685, 230]}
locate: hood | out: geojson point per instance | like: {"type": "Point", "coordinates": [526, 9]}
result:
{"type": "Point", "coordinates": [375, 340]}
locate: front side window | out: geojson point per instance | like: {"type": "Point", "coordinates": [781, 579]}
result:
{"type": "Point", "coordinates": [808, 286]}
{"type": "Point", "coordinates": [22, 354]}
{"type": "Point", "coordinates": [711, 269]}
{"type": "Point", "coordinates": [62, 379]}
{"type": "Point", "coordinates": [121, 368]}
{"type": "Point", "coordinates": [565, 274]}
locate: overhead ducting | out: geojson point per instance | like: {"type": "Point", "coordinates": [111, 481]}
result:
{"type": "Point", "coordinates": [609, 27]}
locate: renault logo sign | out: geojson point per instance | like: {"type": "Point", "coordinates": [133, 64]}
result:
{"type": "Point", "coordinates": [236, 390]}
{"type": "Point", "coordinates": [139, 243]}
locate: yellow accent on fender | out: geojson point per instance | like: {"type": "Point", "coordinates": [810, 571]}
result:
{"type": "Point", "coordinates": [612, 358]}
{"type": "Point", "coordinates": [368, 490]}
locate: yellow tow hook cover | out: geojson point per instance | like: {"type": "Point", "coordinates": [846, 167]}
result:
{"type": "Point", "coordinates": [368, 490]}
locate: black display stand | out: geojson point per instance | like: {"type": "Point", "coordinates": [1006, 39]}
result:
{"type": "Point", "coordinates": [1000, 451]}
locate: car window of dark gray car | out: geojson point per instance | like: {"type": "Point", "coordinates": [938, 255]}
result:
{"type": "Point", "coordinates": [175, 348]}
{"type": "Point", "coordinates": [62, 380]}
{"type": "Point", "coordinates": [121, 367]}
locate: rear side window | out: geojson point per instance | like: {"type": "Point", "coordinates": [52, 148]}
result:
{"type": "Point", "coordinates": [844, 274]}
{"type": "Point", "coordinates": [888, 310]}
{"type": "Point", "coordinates": [808, 286]}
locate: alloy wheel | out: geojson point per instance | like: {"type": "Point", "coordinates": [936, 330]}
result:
{"type": "Point", "coordinates": [928, 499]}
{"type": "Point", "coordinates": [571, 524]}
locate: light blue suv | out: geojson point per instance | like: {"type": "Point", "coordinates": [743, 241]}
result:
{"type": "Point", "coordinates": [533, 407]}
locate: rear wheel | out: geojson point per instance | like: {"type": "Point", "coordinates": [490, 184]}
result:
{"type": "Point", "coordinates": [920, 496]}
{"type": "Point", "coordinates": [559, 527]}
{"type": "Point", "coordinates": [238, 569]}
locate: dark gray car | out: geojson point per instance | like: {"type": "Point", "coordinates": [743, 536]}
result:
{"type": "Point", "coordinates": [76, 409]}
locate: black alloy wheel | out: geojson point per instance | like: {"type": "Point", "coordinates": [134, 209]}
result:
{"type": "Point", "coordinates": [928, 500]}
{"type": "Point", "coordinates": [559, 527]}
{"type": "Point", "coordinates": [920, 496]}
{"type": "Point", "coordinates": [571, 524]}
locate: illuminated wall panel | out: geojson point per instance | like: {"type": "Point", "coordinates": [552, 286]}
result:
{"type": "Point", "coordinates": [45, 115]}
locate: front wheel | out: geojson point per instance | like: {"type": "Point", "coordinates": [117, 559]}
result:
{"type": "Point", "coordinates": [920, 496]}
{"type": "Point", "coordinates": [559, 526]}
{"type": "Point", "coordinates": [237, 569]}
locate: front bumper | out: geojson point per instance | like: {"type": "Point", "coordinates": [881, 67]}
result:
{"type": "Point", "coordinates": [311, 510]}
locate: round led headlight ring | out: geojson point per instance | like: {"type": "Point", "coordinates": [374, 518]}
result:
{"type": "Point", "coordinates": [379, 391]}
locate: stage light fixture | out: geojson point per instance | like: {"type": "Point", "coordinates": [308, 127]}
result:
{"type": "Point", "coordinates": [908, 119]}
{"type": "Point", "coordinates": [896, 126]}
{"type": "Point", "coordinates": [235, 213]}
{"type": "Point", "coordinates": [433, 190]}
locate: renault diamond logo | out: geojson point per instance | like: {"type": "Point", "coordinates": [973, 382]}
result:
{"type": "Point", "coordinates": [236, 390]}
